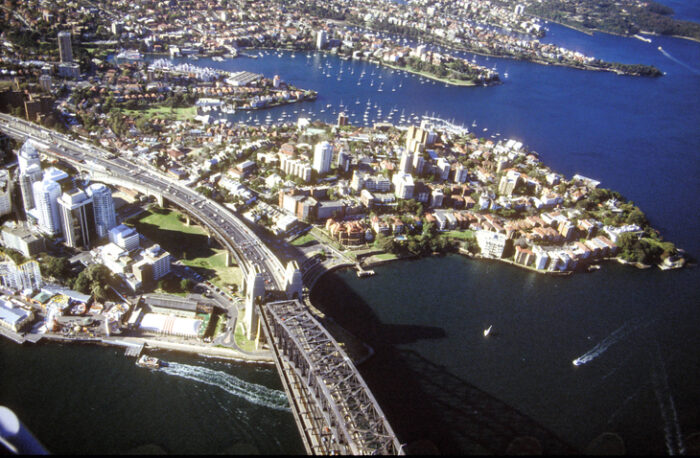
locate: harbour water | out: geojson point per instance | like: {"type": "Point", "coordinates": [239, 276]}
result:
{"type": "Point", "coordinates": [86, 399]}
{"type": "Point", "coordinates": [438, 378]}
{"type": "Point", "coordinates": [637, 330]}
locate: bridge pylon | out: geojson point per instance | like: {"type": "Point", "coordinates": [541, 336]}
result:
{"type": "Point", "coordinates": [255, 293]}
{"type": "Point", "coordinates": [293, 284]}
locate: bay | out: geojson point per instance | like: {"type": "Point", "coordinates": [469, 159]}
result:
{"type": "Point", "coordinates": [87, 399]}
{"type": "Point", "coordinates": [425, 318]}
{"type": "Point", "coordinates": [437, 376]}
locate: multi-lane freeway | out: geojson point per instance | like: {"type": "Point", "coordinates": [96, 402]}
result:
{"type": "Point", "coordinates": [345, 417]}
{"type": "Point", "coordinates": [231, 232]}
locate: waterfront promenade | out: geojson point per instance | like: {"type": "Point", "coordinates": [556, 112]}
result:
{"type": "Point", "coordinates": [167, 344]}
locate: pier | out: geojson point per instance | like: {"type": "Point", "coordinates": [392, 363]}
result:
{"type": "Point", "coordinates": [133, 351]}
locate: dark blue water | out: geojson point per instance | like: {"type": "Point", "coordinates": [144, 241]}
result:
{"type": "Point", "coordinates": [94, 400]}
{"type": "Point", "coordinates": [639, 136]}
{"type": "Point", "coordinates": [436, 376]}
{"type": "Point", "coordinates": [684, 10]}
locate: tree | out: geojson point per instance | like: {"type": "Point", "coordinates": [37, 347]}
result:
{"type": "Point", "coordinates": [429, 230]}
{"type": "Point", "coordinates": [15, 255]}
{"type": "Point", "coordinates": [94, 281]}
{"type": "Point", "coordinates": [186, 284]}
{"type": "Point", "coordinates": [637, 217]}
{"type": "Point", "coordinates": [57, 268]}
{"type": "Point", "coordinates": [384, 243]}
{"type": "Point", "coordinates": [82, 283]}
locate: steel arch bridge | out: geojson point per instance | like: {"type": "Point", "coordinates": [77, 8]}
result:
{"type": "Point", "coordinates": [334, 408]}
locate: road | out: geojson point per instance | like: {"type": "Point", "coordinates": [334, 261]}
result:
{"type": "Point", "coordinates": [227, 228]}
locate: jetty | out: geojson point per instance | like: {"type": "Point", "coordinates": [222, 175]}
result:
{"type": "Point", "coordinates": [362, 272]}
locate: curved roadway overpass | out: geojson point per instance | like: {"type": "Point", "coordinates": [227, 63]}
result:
{"type": "Point", "coordinates": [232, 233]}
{"type": "Point", "coordinates": [334, 408]}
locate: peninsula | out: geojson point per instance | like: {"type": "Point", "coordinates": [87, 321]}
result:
{"type": "Point", "coordinates": [382, 30]}
{"type": "Point", "coordinates": [626, 17]}
{"type": "Point", "coordinates": [325, 196]}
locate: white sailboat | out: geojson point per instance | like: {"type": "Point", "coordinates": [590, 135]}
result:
{"type": "Point", "coordinates": [487, 331]}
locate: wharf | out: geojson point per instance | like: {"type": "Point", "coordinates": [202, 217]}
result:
{"type": "Point", "coordinates": [362, 272]}
{"type": "Point", "coordinates": [15, 337]}
{"type": "Point", "coordinates": [133, 351]}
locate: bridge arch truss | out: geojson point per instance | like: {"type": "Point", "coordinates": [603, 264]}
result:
{"type": "Point", "coordinates": [342, 416]}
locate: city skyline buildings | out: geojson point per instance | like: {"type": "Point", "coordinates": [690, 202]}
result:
{"type": "Point", "coordinates": [46, 194]}
{"type": "Point", "coordinates": [103, 204]}
{"type": "Point", "coordinates": [65, 48]}
{"type": "Point", "coordinates": [77, 219]}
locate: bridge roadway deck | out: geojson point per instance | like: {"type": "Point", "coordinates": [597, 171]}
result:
{"type": "Point", "coordinates": [331, 419]}
{"type": "Point", "coordinates": [346, 418]}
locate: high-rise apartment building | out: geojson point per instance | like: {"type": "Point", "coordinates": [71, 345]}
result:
{"type": "Point", "coordinates": [403, 185]}
{"type": "Point", "coordinates": [5, 192]}
{"type": "Point", "coordinates": [321, 37]}
{"type": "Point", "coordinates": [46, 194]}
{"type": "Point", "coordinates": [78, 219]}
{"type": "Point", "coordinates": [405, 165]}
{"type": "Point", "coordinates": [65, 49]}
{"type": "Point", "coordinates": [323, 154]}
{"type": "Point", "coordinates": [31, 175]}
{"type": "Point", "coordinates": [103, 204]}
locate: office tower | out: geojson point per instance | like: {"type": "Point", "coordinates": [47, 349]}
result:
{"type": "Point", "coordinates": [5, 192]}
{"type": "Point", "coordinates": [46, 194]}
{"type": "Point", "coordinates": [27, 156]}
{"type": "Point", "coordinates": [320, 39]}
{"type": "Point", "coordinates": [78, 219]}
{"type": "Point", "coordinates": [103, 204]}
{"type": "Point", "coordinates": [65, 48]}
{"type": "Point", "coordinates": [31, 175]}
{"type": "Point", "coordinates": [405, 165]}
{"type": "Point", "coordinates": [60, 177]}
{"type": "Point", "coordinates": [323, 154]}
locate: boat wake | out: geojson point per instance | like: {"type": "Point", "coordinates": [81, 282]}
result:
{"type": "Point", "coordinates": [672, 427]}
{"type": "Point", "coordinates": [251, 392]}
{"type": "Point", "coordinates": [679, 62]}
{"type": "Point", "coordinates": [616, 336]}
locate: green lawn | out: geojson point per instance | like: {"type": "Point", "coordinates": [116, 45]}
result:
{"type": "Point", "coordinates": [304, 239]}
{"type": "Point", "coordinates": [220, 324]}
{"type": "Point", "coordinates": [460, 235]}
{"type": "Point", "coordinates": [386, 256]}
{"type": "Point", "coordinates": [240, 338]}
{"type": "Point", "coordinates": [187, 243]}
{"type": "Point", "coordinates": [172, 293]}
{"type": "Point", "coordinates": [452, 81]}
{"type": "Point", "coordinates": [175, 114]}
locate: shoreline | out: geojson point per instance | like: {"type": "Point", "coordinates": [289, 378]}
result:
{"type": "Point", "coordinates": [371, 261]}
{"type": "Point", "coordinates": [464, 83]}
{"type": "Point", "coordinates": [591, 32]}
{"type": "Point", "coordinates": [149, 343]}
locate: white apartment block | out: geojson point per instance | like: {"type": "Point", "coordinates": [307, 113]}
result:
{"type": "Point", "coordinates": [323, 155]}
{"type": "Point", "coordinates": [403, 185]}
{"type": "Point", "coordinates": [491, 244]}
